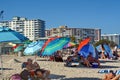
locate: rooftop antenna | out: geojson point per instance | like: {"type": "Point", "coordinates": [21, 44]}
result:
{"type": "Point", "coordinates": [1, 14]}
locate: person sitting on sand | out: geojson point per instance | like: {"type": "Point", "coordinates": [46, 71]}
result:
{"type": "Point", "coordinates": [31, 67]}
{"type": "Point", "coordinates": [103, 52]}
{"type": "Point", "coordinates": [58, 56]}
{"type": "Point", "coordinates": [42, 74]}
{"type": "Point", "coordinates": [91, 59]}
{"type": "Point", "coordinates": [111, 76]}
{"type": "Point", "coordinates": [84, 61]}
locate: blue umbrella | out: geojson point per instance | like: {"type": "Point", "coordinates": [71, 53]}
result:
{"type": "Point", "coordinates": [108, 50]}
{"type": "Point", "coordinates": [86, 50]}
{"type": "Point", "coordinates": [8, 35]}
{"type": "Point", "coordinates": [33, 48]}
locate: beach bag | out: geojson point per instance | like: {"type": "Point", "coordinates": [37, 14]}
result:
{"type": "Point", "coordinates": [15, 77]}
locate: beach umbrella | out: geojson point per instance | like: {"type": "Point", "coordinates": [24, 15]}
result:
{"type": "Point", "coordinates": [70, 44]}
{"type": "Point", "coordinates": [19, 48]}
{"type": "Point", "coordinates": [54, 45]}
{"type": "Point", "coordinates": [33, 48]}
{"type": "Point", "coordinates": [8, 35]}
{"type": "Point", "coordinates": [47, 42]}
{"type": "Point", "coordinates": [83, 43]}
{"type": "Point", "coordinates": [86, 50]}
{"type": "Point", "coordinates": [107, 50]}
{"type": "Point", "coordinates": [26, 43]}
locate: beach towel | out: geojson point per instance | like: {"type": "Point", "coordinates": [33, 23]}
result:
{"type": "Point", "coordinates": [117, 72]}
{"type": "Point", "coordinates": [104, 71]}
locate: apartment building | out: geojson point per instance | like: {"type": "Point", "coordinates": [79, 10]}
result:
{"type": "Point", "coordinates": [78, 33]}
{"type": "Point", "coordinates": [32, 29]}
{"type": "Point", "coordinates": [17, 24]}
{"type": "Point", "coordinates": [4, 23]}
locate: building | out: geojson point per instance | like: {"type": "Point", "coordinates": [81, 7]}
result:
{"type": "Point", "coordinates": [78, 33]}
{"type": "Point", "coordinates": [112, 37]}
{"type": "Point", "coordinates": [4, 23]}
{"type": "Point", "coordinates": [34, 29]}
{"type": "Point", "coordinates": [47, 33]}
{"type": "Point", "coordinates": [17, 24]}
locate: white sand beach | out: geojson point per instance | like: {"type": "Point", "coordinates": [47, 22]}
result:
{"type": "Point", "coordinates": [12, 65]}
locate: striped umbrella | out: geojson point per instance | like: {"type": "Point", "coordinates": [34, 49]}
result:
{"type": "Point", "coordinates": [55, 45]}
{"type": "Point", "coordinates": [70, 44]}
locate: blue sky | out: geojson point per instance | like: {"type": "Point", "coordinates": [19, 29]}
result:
{"type": "Point", "coordinates": [103, 14]}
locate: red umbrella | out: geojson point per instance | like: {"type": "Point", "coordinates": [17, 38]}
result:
{"type": "Point", "coordinates": [83, 43]}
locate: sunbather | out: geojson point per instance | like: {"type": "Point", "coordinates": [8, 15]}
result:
{"type": "Point", "coordinates": [85, 61]}
{"type": "Point", "coordinates": [91, 59]}
{"type": "Point", "coordinates": [111, 76]}
{"type": "Point", "coordinates": [42, 74]}
{"type": "Point", "coordinates": [103, 52]}
{"type": "Point", "coordinates": [31, 67]}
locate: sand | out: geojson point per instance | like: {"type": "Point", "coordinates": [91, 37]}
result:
{"type": "Point", "coordinates": [12, 65]}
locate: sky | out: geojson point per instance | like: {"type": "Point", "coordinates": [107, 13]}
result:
{"type": "Point", "coordinates": [102, 14]}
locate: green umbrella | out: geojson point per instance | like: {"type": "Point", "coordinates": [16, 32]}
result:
{"type": "Point", "coordinates": [19, 48]}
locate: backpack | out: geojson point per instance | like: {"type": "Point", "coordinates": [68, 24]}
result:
{"type": "Point", "coordinates": [15, 77]}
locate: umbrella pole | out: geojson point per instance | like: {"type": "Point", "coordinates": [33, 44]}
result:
{"type": "Point", "coordinates": [35, 57]}
{"type": "Point", "coordinates": [1, 66]}
{"type": "Point", "coordinates": [1, 62]}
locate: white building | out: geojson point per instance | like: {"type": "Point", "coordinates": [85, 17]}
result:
{"type": "Point", "coordinates": [17, 24]}
{"type": "Point", "coordinates": [34, 29]}
{"type": "Point", "coordinates": [112, 37]}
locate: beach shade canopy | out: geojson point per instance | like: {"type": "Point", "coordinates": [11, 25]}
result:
{"type": "Point", "coordinates": [47, 42]}
{"type": "Point", "coordinates": [8, 35]}
{"type": "Point", "coordinates": [86, 50]}
{"type": "Point", "coordinates": [55, 45]}
{"type": "Point", "coordinates": [108, 50]}
{"type": "Point", "coordinates": [83, 43]}
{"type": "Point", "coordinates": [99, 48]}
{"type": "Point", "coordinates": [70, 44]}
{"type": "Point", "coordinates": [19, 48]}
{"type": "Point", "coordinates": [33, 48]}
